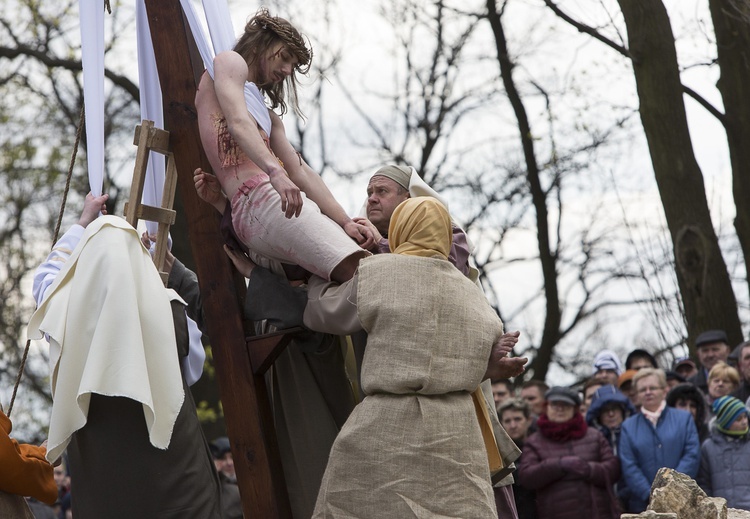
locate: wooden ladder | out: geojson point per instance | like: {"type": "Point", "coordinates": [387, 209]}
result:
{"type": "Point", "coordinates": [149, 138]}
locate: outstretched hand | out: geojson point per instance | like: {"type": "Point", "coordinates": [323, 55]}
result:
{"type": "Point", "coordinates": [242, 263]}
{"type": "Point", "coordinates": [91, 208]}
{"type": "Point", "coordinates": [291, 197]}
{"type": "Point", "coordinates": [500, 364]}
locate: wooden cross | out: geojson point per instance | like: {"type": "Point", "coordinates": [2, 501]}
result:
{"type": "Point", "coordinates": [240, 362]}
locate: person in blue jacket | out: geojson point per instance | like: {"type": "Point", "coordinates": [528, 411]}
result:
{"type": "Point", "coordinates": [658, 436]}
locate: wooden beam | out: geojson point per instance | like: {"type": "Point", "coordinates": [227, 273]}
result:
{"type": "Point", "coordinates": [244, 396]}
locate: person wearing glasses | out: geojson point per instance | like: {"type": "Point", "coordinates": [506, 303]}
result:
{"type": "Point", "coordinates": [658, 436]}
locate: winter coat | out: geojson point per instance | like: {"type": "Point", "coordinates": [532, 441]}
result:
{"type": "Point", "coordinates": [644, 449]}
{"type": "Point", "coordinates": [725, 469]}
{"type": "Point", "coordinates": [561, 494]}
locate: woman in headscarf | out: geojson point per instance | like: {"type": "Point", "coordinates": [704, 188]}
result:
{"type": "Point", "coordinates": [414, 446]}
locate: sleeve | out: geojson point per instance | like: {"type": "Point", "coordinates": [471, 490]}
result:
{"type": "Point", "coordinates": [639, 485]}
{"type": "Point", "coordinates": [606, 471]}
{"type": "Point", "coordinates": [383, 247]}
{"type": "Point", "coordinates": [691, 450]}
{"type": "Point", "coordinates": [25, 471]}
{"type": "Point", "coordinates": [704, 471]}
{"type": "Point", "coordinates": [459, 254]}
{"type": "Point", "coordinates": [537, 471]}
{"type": "Point", "coordinates": [332, 308]}
{"type": "Point", "coordinates": [192, 365]}
{"type": "Point", "coordinates": [271, 297]}
{"type": "Point", "coordinates": [47, 272]}
{"type": "Point", "coordinates": [185, 283]}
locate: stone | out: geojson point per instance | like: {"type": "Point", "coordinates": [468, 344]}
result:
{"type": "Point", "coordinates": [675, 492]}
{"type": "Point", "coordinates": [733, 513]}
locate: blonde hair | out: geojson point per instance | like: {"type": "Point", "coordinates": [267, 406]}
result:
{"type": "Point", "coordinates": [261, 32]}
{"type": "Point", "coordinates": [724, 370]}
{"type": "Point", "coordinates": [650, 372]}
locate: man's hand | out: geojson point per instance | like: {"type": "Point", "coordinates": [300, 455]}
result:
{"type": "Point", "coordinates": [241, 262]}
{"type": "Point", "coordinates": [291, 198]}
{"type": "Point", "coordinates": [91, 208]}
{"type": "Point", "coordinates": [147, 240]}
{"type": "Point", "coordinates": [376, 236]}
{"type": "Point", "coordinates": [362, 234]}
{"type": "Point", "coordinates": [500, 365]}
{"type": "Point", "coordinates": [208, 188]}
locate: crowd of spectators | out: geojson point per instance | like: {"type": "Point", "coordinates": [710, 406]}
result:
{"type": "Point", "coordinates": [593, 450]}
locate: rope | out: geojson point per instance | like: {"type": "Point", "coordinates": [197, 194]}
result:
{"type": "Point", "coordinates": [54, 240]}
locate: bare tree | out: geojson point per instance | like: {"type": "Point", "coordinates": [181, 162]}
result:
{"type": "Point", "coordinates": [731, 20]}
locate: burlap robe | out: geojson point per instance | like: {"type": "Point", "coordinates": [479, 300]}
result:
{"type": "Point", "coordinates": [413, 447]}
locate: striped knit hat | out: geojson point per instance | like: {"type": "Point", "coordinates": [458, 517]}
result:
{"type": "Point", "coordinates": [727, 409]}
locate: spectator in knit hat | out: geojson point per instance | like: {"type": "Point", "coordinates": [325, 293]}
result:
{"type": "Point", "coordinates": [570, 465]}
{"type": "Point", "coordinates": [607, 367]}
{"type": "Point", "coordinates": [689, 398]}
{"type": "Point", "coordinates": [725, 456]}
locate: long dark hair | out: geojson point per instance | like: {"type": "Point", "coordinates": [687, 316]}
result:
{"type": "Point", "coordinates": [261, 32]}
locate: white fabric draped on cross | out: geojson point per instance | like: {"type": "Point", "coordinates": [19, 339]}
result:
{"type": "Point", "coordinates": [222, 38]}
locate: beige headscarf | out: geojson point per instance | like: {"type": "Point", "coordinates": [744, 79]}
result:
{"type": "Point", "coordinates": [421, 226]}
{"type": "Point", "coordinates": [401, 175]}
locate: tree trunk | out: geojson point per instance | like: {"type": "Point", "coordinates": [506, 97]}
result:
{"type": "Point", "coordinates": [547, 257]}
{"type": "Point", "coordinates": [731, 20]}
{"type": "Point", "coordinates": [701, 272]}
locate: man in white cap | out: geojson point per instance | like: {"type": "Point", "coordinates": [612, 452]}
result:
{"type": "Point", "coordinates": [607, 367]}
{"type": "Point", "coordinates": [388, 187]}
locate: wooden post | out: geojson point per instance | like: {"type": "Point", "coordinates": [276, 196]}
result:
{"type": "Point", "coordinates": [243, 394]}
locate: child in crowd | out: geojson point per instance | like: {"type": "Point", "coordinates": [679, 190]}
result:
{"type": "Point", "coordinates": [725, 456]}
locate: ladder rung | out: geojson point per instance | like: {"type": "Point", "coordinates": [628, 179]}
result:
{"type": "Point", "coordinates": [157, 139]}
{"type": "Point", "coordinates": [153, 214]}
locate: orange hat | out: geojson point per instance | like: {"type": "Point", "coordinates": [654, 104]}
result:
{"type": "Point", "coordinates": [627, 376]}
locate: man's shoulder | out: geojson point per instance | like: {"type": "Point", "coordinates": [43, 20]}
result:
{"type": "Point", "coordinates": [230, 60]}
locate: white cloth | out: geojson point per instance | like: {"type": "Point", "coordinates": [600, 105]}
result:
{"type": "Point", "coordinates": [222, 39]}
{"type": "Point", "coordinates": [109, 322]}
{"type": "Point", "coordinates": [92, 61]}
{"type": "Point", "coordinates": [192, 365]}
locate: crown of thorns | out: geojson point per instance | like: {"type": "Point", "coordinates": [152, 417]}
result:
{"type": "Point", "coordinates": [288, 34]}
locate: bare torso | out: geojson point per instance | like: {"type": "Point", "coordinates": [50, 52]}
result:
{"type": "Point", "coordinates": [230, 164]}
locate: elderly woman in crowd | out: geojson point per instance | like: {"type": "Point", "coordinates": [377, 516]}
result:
{"type": "Point", "coordinates": [570, 465]}
{"type": "Point", "coordinates": [723, 380]}
{"type": "Point", "coordinates": [658, 436]}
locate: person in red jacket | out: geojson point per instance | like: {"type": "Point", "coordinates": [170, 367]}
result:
{"type": "Point", "coordinates": [570, 465]}
{"type": "Point", "coordinates": [25, 471]}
